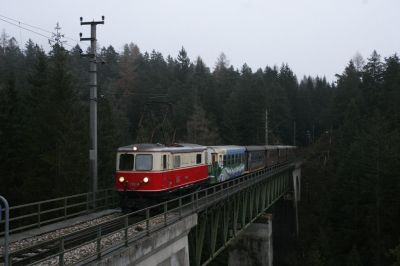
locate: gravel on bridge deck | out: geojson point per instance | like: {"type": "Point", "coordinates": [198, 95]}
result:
{"type": "Point", "coordinates": [51, 231]}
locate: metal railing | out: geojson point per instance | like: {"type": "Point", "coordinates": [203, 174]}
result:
{"type": "Point", "coordinates": [4, 202]}
{"type": "Point", "coordinates": [37, 214]}
{"type": "Point", "coordinates": [104, 238]}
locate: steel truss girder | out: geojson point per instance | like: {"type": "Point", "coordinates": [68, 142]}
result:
{"type": "Point", "coordinates": [221, 223]}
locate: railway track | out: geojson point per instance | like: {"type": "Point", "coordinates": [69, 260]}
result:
{"type": "Point", "coordinates": [81, 239]}
{"type": "Point", "coordinates": [30, 255]}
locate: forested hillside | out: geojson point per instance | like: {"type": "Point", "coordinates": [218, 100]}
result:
{"type": "Point", "coordinates": [350, 213]}
{"type": "Point", "coordinates": [351, 206]}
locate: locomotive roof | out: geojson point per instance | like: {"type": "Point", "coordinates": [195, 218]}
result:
{"type": "Point", "coordinates": [157, 147]}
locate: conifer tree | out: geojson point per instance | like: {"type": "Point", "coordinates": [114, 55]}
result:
{"type": "Point", "coordinates": [200, 129]}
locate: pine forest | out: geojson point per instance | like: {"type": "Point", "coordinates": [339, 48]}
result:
{"type": "Point", "coordinates": [347, 130]}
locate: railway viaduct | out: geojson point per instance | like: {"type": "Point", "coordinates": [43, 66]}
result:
{"type": "Point", "coordinates": [191, 230]}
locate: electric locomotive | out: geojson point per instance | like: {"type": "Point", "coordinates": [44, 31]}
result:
{"type": "Point", "coordinates": [146, 172]}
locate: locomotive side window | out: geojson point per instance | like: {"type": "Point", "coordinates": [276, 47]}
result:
{"type": "Point", "coordinates": [198, 158]}
{"type": "Point", "coordinates": [177, 161]}
{"type": "Point", "coordinates": [126, 162]}
{"type": "Point", "coordinates": [144, 162]}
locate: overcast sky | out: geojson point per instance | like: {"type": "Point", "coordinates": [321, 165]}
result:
{"type": "Point", "coordinates": [315, 37]}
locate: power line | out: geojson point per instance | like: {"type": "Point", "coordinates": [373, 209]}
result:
{"type": "Point", "coordinates": [47, 37]}
{"type": "Point", "coordinates": [35, 27]}
{"type": "Point", "coordinates": [42, 35]}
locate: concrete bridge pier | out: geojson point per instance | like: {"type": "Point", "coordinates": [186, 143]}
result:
{"type": "Point", "coordinates": [296, 174]}
{"type": "Point", "coordinates": [254, 245]}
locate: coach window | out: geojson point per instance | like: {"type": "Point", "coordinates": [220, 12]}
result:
{"type": "Point", "coordinates": [224, 161]}
{"type": "Point", "coordinates": [177, 161]}
{"type": "Point", "coordinates": [126, 162]}
{"type": "Point", "coordinates": [214, 158]}
{"type": "Point", "coordinates": [198, 158]}
{"type": "Point", "coordinates": [144, 162]}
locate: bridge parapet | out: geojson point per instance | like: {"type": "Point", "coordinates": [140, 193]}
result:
{"type": "Point", "coordinates": [168, 246]}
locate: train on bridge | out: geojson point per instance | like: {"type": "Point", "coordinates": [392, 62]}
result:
{"type": "Point", "coordinates": [146, 173]}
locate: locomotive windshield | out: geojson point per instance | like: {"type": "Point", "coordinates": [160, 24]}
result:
{"type": "Point", "coordinates": [144, 162]}
{"type": "Point", "coordinates": [126, 162]}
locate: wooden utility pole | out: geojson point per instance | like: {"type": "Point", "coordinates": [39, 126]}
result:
{"type": "Point", "coordinates": [93, 102]}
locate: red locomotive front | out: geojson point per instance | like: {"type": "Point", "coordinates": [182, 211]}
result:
{"type": "Point", "coordinates": [154, 169]}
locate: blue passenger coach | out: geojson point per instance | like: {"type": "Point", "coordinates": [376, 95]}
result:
{"type": "Point", "coordinates": [226, 162]}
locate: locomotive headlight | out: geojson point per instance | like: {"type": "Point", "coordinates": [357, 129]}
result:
{"type": "Point", "coordinates": [121, 179]}
{"type": "Point", "coordinates": [145, 179]}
